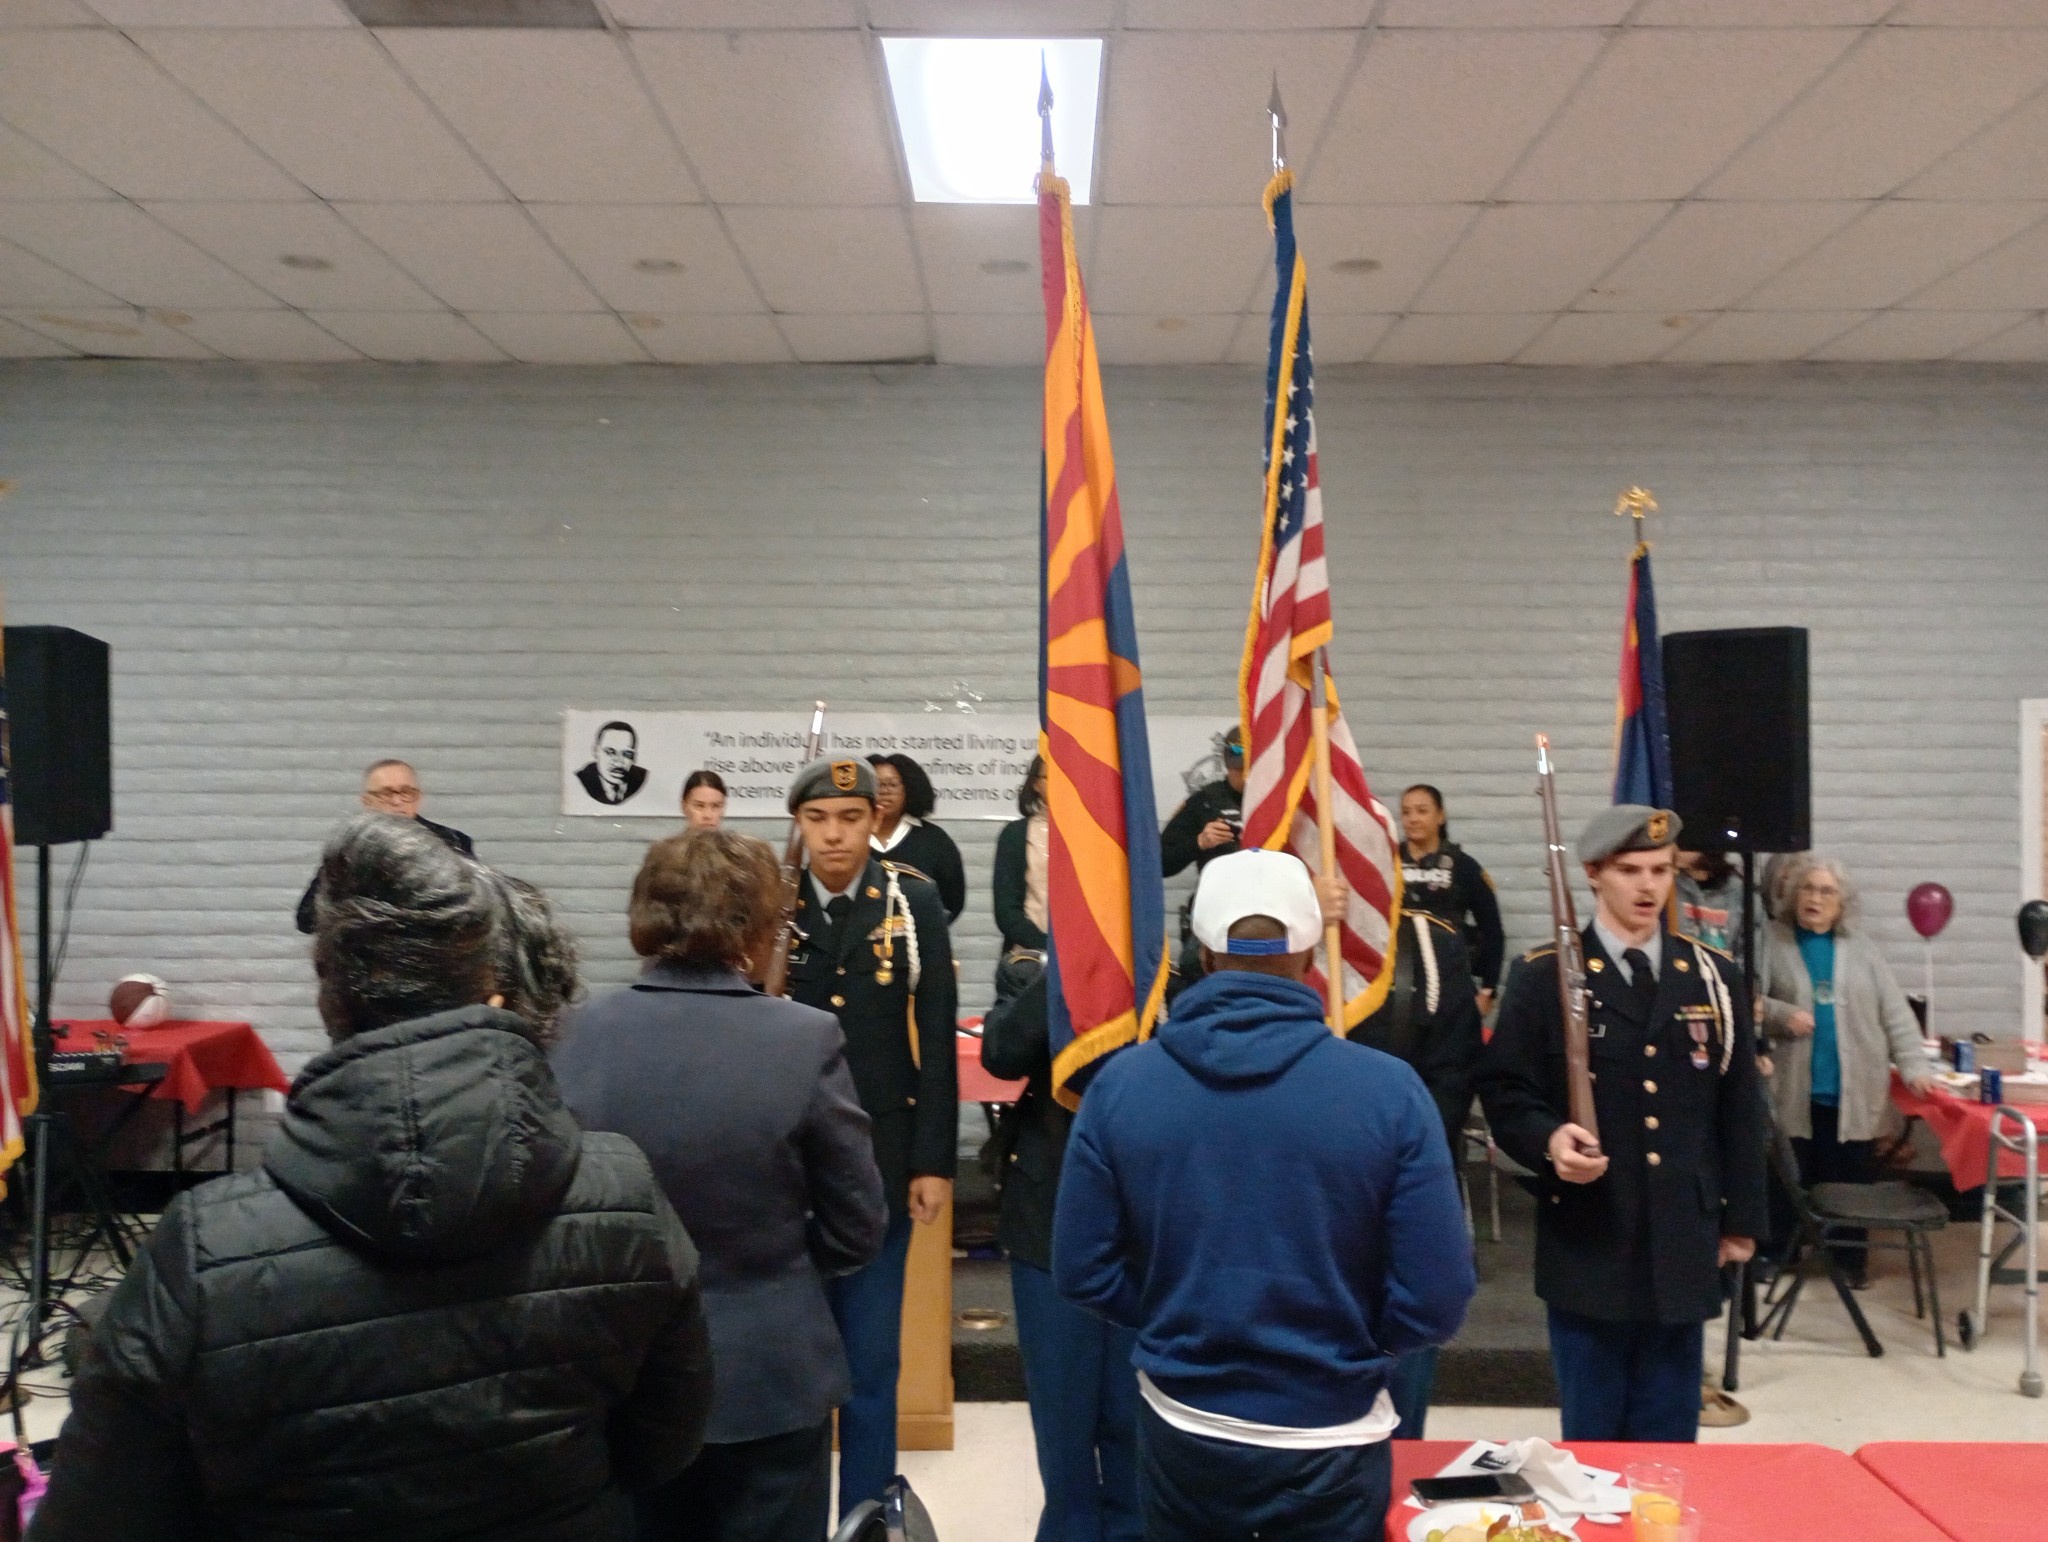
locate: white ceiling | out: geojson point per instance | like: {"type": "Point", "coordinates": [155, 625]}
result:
{"type": "Point", "coordinates": [717, 181]}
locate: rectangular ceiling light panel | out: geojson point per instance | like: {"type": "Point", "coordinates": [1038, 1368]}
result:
{"type": "Point", "coordinates": [967, 108]}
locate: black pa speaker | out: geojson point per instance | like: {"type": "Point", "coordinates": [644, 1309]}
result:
{"type": "Point", "coordinates": [60, 744]}
{"type": "Point", "coordinates": [1736, 700]}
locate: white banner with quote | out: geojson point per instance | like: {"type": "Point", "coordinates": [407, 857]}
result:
{"type": "Point", "coordinates": [627, 763]}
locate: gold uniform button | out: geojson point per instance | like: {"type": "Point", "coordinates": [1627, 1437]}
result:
{"type": "Point", "coordinates": [1649, 1086]}
{"type": "Point", "coordinates": [1650, 1123]}
{"type": "Point", "coordinates": [1654, 1159]}
{"type": "Point", "coordinates": [842, 969]}
{"type": "Point", "coordinates": [1650, 1050]}
{"type": "Point", "coordinates": [839, 1001]}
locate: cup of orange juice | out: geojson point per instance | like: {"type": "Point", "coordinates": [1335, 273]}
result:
{"type": "Point", "coordinates": [1656, 1499]}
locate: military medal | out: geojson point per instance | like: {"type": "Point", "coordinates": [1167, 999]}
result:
{"type": "Point", "coordinates": [1699, 1044]}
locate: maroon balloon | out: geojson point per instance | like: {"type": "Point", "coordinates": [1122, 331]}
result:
{"type": "Point", "coordinates": [1928, 907]}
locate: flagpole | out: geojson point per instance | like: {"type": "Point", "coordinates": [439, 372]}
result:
{"type": "Point", "coordinates": [1326, 834]}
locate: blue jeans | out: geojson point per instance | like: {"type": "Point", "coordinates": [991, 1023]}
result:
{"type": "Point", "coordinates": [868, 1306]}
{"type": "Point", "coordinates": [1409, 1384]}
{"type": "Point", "coordinates": [1193, 1489]}
{"type": "Point", "coordinates": [1626, 1380]}
{"type": "Point", "coordinates": [1084, 1413]}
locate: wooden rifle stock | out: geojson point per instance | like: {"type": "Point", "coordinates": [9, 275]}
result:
{"type": "Point", "coordinates": [1572, 996]}
{"type": "Point", "coordinates": [775, 978]}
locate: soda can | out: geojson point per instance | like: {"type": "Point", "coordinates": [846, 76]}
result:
{"type": "Point", "coordinates": [1992, 1085]}
{"type": "Point", "coordinates": [1966, 1056]}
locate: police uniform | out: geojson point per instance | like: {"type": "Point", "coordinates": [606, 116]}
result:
{"type": "Point", "coordinates": [1628, 1264]}
{"type": "Point", "coordinates": [886, 972]}
{"type": "Point", "coordinates": [1450, 883]}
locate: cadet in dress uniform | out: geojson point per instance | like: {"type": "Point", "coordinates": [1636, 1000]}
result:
{"type": "Point", "coordinates": [870, 946]}
{"type": "Point", "coordinates": [1630, 1236]}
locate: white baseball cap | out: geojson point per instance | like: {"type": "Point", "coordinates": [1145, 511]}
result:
{"type": "Point", "coordinates": [1275, 884]}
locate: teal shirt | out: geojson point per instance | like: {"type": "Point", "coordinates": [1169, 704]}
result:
{"type": "Point", "coordinates": [1818, 950]}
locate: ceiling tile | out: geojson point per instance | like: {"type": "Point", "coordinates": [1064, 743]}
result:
{"type": "Point", "coordinates": [1457, 339]}
{"type": "Point", "coordinates": [605, 241]}
{"type": "Point", "coordinates": [1164, 339]}
{"type": "Point", "coordinates": [269, 336]}
{"type": "Point", "coordinates": [225, 13]}
{"type": "Point", "coordinates": [594, 337]}
{"type": "Point", "coordinates": [1340, 338]}
{"type": "Point", "coordinates": [1661, 111]}
{"type": "Point", "coordinates": [2005, 161]}
{"type": "Point", "coordinates": [45, 13]}
{"type": "Point", "coordinates": [857, 339]}
{"type": "Point", "coordinates": [558, 115]}
{"type": "Point", "coordinates": [112, 333]}
{"type": "Point", "coordinates": [20, 343]}
{"type": "Point", "coordinates": [125, 252]}
{"type": "Point", "coordinates": [251, 238]}
{"type": "Point", "coordinates": [331, 108]}
{"type": "Point", "coordinates": [1901, 101]}
{"type": "Point", "coordinates": [1181, 261]}
{"type": "Point", "coordinates": [1408, 241]}
{"type": "Point", "coordinates": [1006, 339]}
{"type": "Point", "coordinates": [1889, 253]}
{"type": "Point", "coordinates": [1006, 18]}
{"type": "Point", "coordinates": [1972, 13]}
{"type": "Point", "coordinates": [1901, 335]}
{"type": "Point", "coordinates": [1235, 15]}
{"type": "Point", "coordinates": [771, 117]}
{"type": "Point", "coordinates": [1708, 255]}
{"type": "Point", "coordinates": [26, 279]}
{"type": "Point", "coordinates": [27, 170]}
{"type": "Point", "coordinates": [476, 257]}
{"type": "Point", "coordinates": [729, 15]}
{"type": "Point", "coordinates": [411, 337]}
{"type": "Point", "coordinates": [1760, 13]}
{"type": "Point", "coordinates": [2011, 277]}
{"type": "Point", "coordinates": [1184, 116]}
{"type": "Point", "coordinates": [711, 339]}
{"type": "Point", "coordinates": [1531, 257]}
{"type": "Point", "coordinates": [1758, 337]}
{"type": "Point", "coordinates": [1388, 141]}
{"type": "Point", "coordinates": [1503, 13]}
{"type": "Point", "coordinates": [1581, 337]}
{"type": "Point", "coordinates": [829, 261]}
{"type": "Point", "coordinates": [96, 100]}
{"type": "Point", "coordinates": [956, 241]}
{"type": "Point", "coordinates": [2025, 343]}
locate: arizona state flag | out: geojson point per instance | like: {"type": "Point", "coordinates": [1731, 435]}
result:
{"type": "Point", "coordinates": [1106, 949]}
{"type": "Point", "coordinates": [1642, 733]}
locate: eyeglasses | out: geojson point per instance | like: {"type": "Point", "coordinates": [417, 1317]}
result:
{"type": "Point", "coordinates": [394, 795]}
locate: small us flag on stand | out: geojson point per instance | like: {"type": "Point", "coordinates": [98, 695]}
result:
{"type": "Point", "coordinates": [17, 1064]}
{"type": "Point", "coordinates": [1284, 664]}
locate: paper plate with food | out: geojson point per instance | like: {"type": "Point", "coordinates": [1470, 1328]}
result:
{"type": "Point", "coordinates": [1489, 1521]}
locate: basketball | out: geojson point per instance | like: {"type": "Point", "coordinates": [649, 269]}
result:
{"type": "Point", "coordinates": [140, 1001]}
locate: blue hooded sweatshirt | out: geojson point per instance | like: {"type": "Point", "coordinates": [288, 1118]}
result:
{"type": "Point", "coordinates": [1270, 1207]}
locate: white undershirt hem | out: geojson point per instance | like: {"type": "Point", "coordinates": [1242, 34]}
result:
{"type": "Point", "coordinates": [1374, 1425]}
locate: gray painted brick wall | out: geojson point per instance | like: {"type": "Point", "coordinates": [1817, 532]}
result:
{"type": "Point", "coordinates": [300, 569]}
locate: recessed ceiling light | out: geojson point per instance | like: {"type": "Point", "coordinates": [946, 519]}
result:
{"type": "Point", "coordinates": [1356, 265]}
{"type": "Point", "coordinates": [967, 108]}
{"type": "Point", "coordinates": [997, 267]}
{"type": "Point", "coordinates": [658, 265]}
{"type": "Point", "coordinates": [304, 263]}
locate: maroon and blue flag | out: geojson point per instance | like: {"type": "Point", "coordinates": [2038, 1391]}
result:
{"type": "Point", "coordinates": [1642, 733]}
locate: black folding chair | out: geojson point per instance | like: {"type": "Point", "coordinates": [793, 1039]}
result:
{"type": "Point", "coordinates": [1828, 1214]}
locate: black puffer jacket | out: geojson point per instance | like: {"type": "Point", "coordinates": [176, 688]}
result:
{"type": "Point", "coordinates": [437, 1312]}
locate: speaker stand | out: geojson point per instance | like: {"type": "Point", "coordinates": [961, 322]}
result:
{"type": "Point", "coordinates": [1741, 1284]}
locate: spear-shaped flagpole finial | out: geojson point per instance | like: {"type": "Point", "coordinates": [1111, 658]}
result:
{"type": "Point", "coordinates": [1044, 112]}
{"type": "Point", "coordinates": [1277, 111]}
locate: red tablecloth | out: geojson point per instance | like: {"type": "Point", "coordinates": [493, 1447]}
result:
{"type": "Point", "coordinates": [1974, 1491]}
{"type": "Point", "coordinates": [1964, 1130]}
{"type": "Point", "coordinates": [201, 1057]}
{"type": "Point", "coordinates": [976, 1085]}
{"type": "Point", "coordinates": [1746, 1493]}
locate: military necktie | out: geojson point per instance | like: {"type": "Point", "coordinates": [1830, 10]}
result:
{"type": "Point", "coordinates": [1640, 980]}
{"type": "Point", "coordinates": [837, 909]}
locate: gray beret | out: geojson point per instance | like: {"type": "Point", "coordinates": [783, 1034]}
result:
{"type": "Point", "coordinates": [845, 777]}
{"type": "Point", "coordinates": [1627, 827]}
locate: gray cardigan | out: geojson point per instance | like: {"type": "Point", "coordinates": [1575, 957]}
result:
{"type": "Point", "coordinates": [1874, 1031]}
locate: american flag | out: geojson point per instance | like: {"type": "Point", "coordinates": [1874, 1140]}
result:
{"type": "Point", "coordinates": [1290, 620]}
{"type": "Point", "coordinates": [17, 1065]}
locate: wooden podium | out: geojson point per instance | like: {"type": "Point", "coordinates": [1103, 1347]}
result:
{"type": "Point", "coordinates": [924, 1390]}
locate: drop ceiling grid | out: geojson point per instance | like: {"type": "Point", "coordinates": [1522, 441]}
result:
{"type": "Point", "coordinates": [1562, 217]}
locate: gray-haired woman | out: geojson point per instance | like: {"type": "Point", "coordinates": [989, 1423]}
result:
{"type": "Point", "coordinates": [437, 1309]}
{"type": "Point", "coordinates": [1838, 1023]}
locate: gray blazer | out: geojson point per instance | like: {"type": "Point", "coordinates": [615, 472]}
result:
{"type": "Point", "coordinates": [746, 1110]}
{"type": "Point", "coordinates": [1874, 1031]}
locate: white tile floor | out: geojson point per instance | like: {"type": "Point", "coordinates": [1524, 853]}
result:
{"type": "Point", "coordinates": [1816, 1385]}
